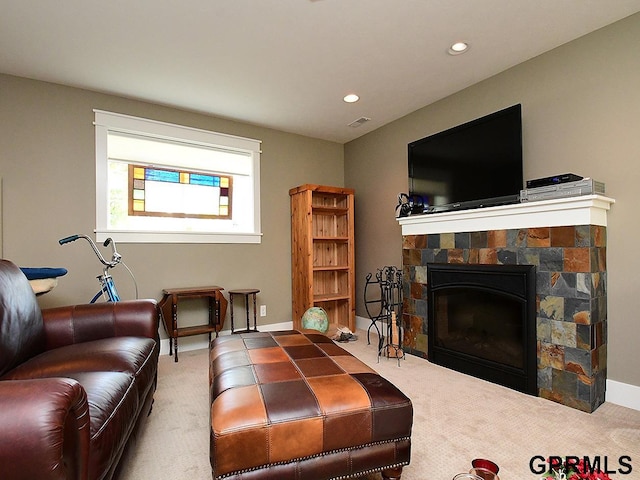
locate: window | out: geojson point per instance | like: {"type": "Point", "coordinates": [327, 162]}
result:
{"type": "Point", "coordinates": [159, 182]}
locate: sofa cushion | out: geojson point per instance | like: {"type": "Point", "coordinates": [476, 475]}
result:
{"type": "Point", "coordinates": [117, 354]}
{"type": "Point", "coordinates": [21, 328]}
{"type": "Point", "coordinates": [134, 356]}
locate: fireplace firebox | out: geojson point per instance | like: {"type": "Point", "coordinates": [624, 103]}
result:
{"type": "Point", "coordinates": [482, 322]}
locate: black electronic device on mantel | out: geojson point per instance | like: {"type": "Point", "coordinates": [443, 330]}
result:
{"type": "Point", "coordinates": [476, 164]}
{"type": "Point", "coordinates": [555, 180]}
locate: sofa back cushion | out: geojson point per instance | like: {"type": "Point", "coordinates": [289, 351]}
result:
{"type": "Point", "coordinates": [21, 328]}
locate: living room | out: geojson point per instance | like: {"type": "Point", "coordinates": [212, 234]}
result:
{"type": "Point", "coordinates": [580, 104]}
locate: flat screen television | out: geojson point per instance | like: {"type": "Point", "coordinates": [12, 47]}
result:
{"type": "Point", "coordinates": [476, 164]}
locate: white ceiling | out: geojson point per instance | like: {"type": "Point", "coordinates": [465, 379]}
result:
{"type": "Point", "coordinates": [286, 64]}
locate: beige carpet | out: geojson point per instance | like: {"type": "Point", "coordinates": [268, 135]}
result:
{"type": "Point", "coordinates": [456, 418]}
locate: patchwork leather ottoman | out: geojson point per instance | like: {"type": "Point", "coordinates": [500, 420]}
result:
{"type": "Point", "coordinates": [293, 405]}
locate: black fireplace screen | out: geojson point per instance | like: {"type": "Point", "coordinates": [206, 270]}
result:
{"type": "Point", "coordinates": [481, 321]}
{"type": "Point", "coordinates": [482, 324]}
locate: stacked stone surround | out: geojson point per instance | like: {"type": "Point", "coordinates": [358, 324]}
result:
{"type": "Point", "coordinates": [571, 302]}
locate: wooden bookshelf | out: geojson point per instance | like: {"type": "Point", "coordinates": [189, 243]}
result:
{"type": "Point", "coordinates": [322, 252]}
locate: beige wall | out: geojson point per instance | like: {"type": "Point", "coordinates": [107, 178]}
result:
{"type": "Point", "coordinates": [47, 166]}
{"type": "Point", "coordinates": [581, 114]}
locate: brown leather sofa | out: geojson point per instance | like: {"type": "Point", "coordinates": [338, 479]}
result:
{"type": "Point", "coordinates": [75, 382]}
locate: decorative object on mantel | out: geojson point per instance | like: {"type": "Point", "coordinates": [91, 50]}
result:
{"type": "Point", "coordinates": [409, 205]}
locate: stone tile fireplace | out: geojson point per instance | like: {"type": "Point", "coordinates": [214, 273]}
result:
{"type": "Point", "coordinates": [565, 239]}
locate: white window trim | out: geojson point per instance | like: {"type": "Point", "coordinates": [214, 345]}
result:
{"type": "Point", "coordinates": [108, 121]}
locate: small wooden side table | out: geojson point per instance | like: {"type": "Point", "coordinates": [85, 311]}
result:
{"type": "Point", "coordinates": [169, 308]}
{"type": "Point", "coordinates": [245, 292]}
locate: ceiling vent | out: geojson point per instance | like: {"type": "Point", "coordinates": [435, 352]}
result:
{"type": "Point", "coordinates": [359, 121]}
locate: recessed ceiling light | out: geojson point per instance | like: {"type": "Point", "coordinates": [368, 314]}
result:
{"type": "Point", "coordinates": [458, 48]}
{"type": "Point", "coordinates": [351, 98]}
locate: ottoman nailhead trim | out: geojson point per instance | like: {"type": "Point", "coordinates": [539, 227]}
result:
{"type": "Point", "coordinates": [386, 467]}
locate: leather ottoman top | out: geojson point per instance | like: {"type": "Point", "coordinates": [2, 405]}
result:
{"type": "Point", "coordinates": [277, 396]}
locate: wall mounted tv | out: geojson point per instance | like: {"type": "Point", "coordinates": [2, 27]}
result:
{"type": "Point", "coordinates": [476, 164]}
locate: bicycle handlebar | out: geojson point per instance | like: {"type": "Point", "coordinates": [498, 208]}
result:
{"type": "Point", "coordinates": [64, 240]}
{"type": "Point", "coordinates": [116, 258]}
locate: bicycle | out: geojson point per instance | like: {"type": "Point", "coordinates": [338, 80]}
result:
{"type": "Point", "coordinates": [108, 288]}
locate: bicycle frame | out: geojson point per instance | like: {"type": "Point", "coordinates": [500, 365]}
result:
{"type": "Point", "coordinates": [108, 290]}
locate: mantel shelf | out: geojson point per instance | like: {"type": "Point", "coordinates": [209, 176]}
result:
{"type": "Point", "coordinates": [580, 210]}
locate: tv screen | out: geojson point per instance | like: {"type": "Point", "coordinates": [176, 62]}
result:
{"type": "Point", "coordinates": [475, 164]}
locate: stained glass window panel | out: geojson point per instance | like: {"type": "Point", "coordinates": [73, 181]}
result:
{"type": "Point", "coordinates": [178, 193]}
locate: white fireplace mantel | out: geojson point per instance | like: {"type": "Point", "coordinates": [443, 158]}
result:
{"type": "Point", "coordinates": [580, 210]}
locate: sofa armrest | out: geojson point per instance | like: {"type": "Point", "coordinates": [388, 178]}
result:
{"type": "Point", "coordinates": [87, 322]}
{"type": "Point", "coordinates": [44, 429]}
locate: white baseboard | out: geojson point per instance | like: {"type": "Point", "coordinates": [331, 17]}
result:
{"type": "Point", "coordinates": [362, 323]}
{"type": "Point", "coordinates": [623, 394]}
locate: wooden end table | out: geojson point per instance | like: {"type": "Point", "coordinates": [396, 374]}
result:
{"type": "Point", "coordinates": [169, 309]}
{"type": "Point", "coordinates": [246, 292]}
